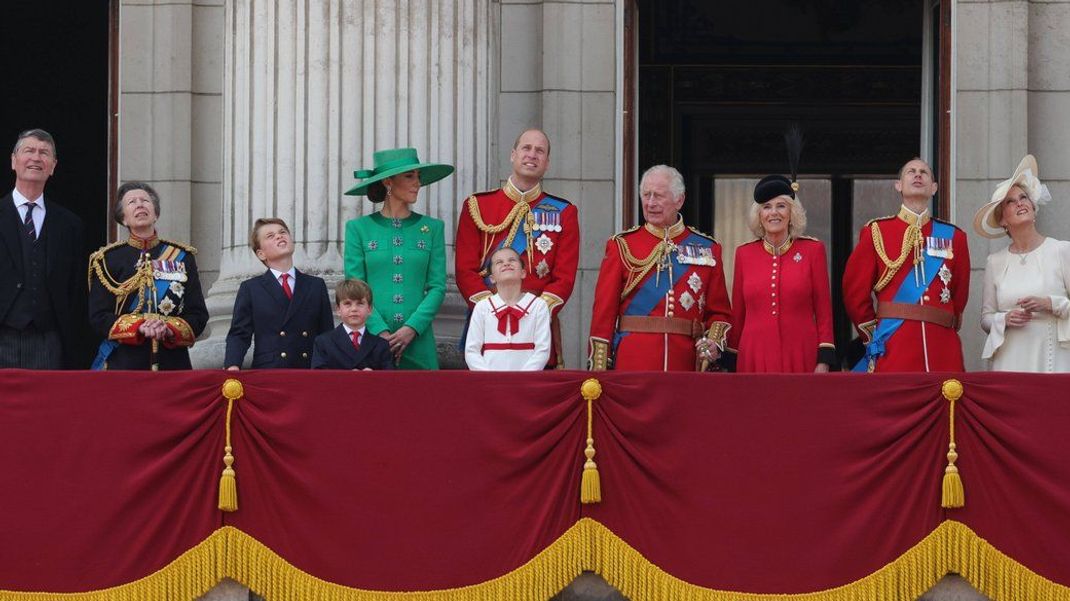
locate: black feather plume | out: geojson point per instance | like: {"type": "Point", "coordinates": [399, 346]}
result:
{"type": "Point", "coordinates": [793, 139]}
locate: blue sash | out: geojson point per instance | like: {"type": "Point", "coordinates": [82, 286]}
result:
{"type": "Point", "coordinates": [909, 292]}
{"type": "Point", "coordinates": [648, 294]}
{"type": "Point", "coordinates": [548, 204]}
{"type": "Point", "coordinates": [162, 286]}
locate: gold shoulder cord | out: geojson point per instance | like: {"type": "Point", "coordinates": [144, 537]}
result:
{"type": "Point", "coordinates": [520, 213]}
{"type": "Point", "coordinates": [638, 268]}
{"type": "Point", "coordinates": [911, 241]}
{"type": "Point", "coordinates": [121, 290]}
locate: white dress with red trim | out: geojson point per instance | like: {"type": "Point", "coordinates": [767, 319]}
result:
{"type": "Point", "coordinates": [508, 338]}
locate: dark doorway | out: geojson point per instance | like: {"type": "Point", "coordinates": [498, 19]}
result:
{"type": "Point", "coordinates": [718, 88]}
{"type": "Point", "coordinates": [55, 63]}
{"type": "Point", "coordinates": [55, 66]}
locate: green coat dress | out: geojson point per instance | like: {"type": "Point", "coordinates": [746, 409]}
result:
{"type": "Point", "coordinates": [404, 262]}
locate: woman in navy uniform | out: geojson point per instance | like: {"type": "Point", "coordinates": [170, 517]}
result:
{"type": "Point", "coordinates": [145, 298]}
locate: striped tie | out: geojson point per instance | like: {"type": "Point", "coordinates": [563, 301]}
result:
{"type": "Point", "coordinates": [27, 223]}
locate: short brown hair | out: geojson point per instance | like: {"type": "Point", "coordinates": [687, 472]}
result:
{"type": "Point", "coordinates": [254, 236]}
{"type": "Point", "coordinates": [352, 289]}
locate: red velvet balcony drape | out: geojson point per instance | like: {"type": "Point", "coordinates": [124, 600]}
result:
{"type": "Point", "coordinates": [355, 484]}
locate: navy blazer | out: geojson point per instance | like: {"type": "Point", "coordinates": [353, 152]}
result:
{"type": "Point", "coordinates": [334, 350]}
{"type": "Point", "coordinates": [281, 329]}
{"type": "Point", "coordinates": [64, 274]}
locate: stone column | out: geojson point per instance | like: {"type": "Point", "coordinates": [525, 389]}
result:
{"type": "Point", "coordinates": [311, 90]}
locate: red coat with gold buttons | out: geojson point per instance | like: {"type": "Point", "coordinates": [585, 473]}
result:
{"type": "Point", "coordinates": [692, 290]}
{"type": "Point", "coordinates": [916, 345]}
{"type": "Point", "coordinates": [781, 308]}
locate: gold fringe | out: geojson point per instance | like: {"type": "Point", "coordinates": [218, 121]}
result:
{"type": "Point", "coordinates": [952, 494]}
{"type": "Point", "coordinates": [587, 545]}
{"type": "Point", "coordinates": [590, 482]}
{"type": "Point", "coordinates": [228, 485]}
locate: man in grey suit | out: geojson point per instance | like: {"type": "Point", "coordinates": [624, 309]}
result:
{"type": "Point", "coordinates": [42, 265]}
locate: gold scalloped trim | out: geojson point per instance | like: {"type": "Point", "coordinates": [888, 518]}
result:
{"type": "Point", "coordinates": [587, 545]}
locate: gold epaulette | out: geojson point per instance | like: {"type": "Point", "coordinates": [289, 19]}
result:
{"type": "Point", "coordinates": [808, 238]}
{"type": "Point", "coordinates": [627, 231]}
{"type": "Point", "coordinates": [98, 254]}
{"type": "Point", "coordinates": [185, 247]}
{"type": "Point", "coordinates": [703, 234]}
{"type": "Point", "coordinates": [875, 219]}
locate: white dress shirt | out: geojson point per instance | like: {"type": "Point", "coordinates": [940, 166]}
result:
{"type": "Point", "coordinates": [38, 211]}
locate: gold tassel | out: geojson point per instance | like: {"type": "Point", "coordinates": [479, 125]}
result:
{"type": "Point", "coordinates": [228, 485]}
{"type": "Point", "coordinates": [953, 494]}
{"type": "Point", "coordinates": [591, 482]}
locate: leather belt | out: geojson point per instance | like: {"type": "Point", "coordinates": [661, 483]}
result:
{"type": "Point", "coordinates": [661, 325]}
{"type": "Point", "coordinates": [926, 313]}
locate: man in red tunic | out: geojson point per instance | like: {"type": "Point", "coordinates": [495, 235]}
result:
{"type": "Point", "coordinates": [543, 229]}
{"type": "Point", "coordinates": [660, 303]}
{"type": "Point", "coordinates": [918, 268]}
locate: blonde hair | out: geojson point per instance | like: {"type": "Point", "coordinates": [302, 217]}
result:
{"type": "Point", "coordinates": [796, 222]}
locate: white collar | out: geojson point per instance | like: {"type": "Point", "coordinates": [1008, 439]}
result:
{"type": "Point", "coordinates": [278, 274]}
{"type": "Point", "coordinates": [349, 330]}
{"type": "Point", "coordinates": [21, 200]}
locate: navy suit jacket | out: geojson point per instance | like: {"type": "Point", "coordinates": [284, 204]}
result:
{"type": "Point", "coordinates": [64, 274]}
{"type": "Point", "coordinates": [281, 329]}
{"type": "Point", "coordinates": [334, 350]}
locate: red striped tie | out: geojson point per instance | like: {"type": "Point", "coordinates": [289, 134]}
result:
{"type": "Point", "coordinates": [355, 335]}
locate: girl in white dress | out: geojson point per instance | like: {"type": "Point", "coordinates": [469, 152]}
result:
{"type": "Point", "coordinates": [510, 329]}
{"type": "Point", "coordinates": [1025, 307]}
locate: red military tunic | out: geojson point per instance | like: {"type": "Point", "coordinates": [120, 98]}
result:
{"type": "Point", "coordinates": [781, 308]}
{"type": "Point", "coordinates": [636, 303]}
{"type": "Point", "coordinates": [880, 264]}
{"type": "Point", "coordinates": [544, 229]}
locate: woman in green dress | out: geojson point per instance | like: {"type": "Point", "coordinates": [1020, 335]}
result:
{"type": "Point", "coordinates": [401, 254]}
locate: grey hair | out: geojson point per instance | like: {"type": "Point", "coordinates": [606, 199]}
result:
{"type": "Point", "coordinates": [796, 221]}
{"type": "Point", "coordinates": [39, 134]}
{"type": "Point", "coordinates": [117, 209]}
{"type": "Point", "coordinates": [676, 181]}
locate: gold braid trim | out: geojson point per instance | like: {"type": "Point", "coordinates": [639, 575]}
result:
{"type": "Point", "coordinates": [911, 240]}
{"type": "Point", "coordinates": [587, 545]}
{"type": "Point", "coordinates": [638, 268]}
{"type": "Point", "coordinates": [139, 282]}
{"type": "Point", "coordinates": [520, 213]}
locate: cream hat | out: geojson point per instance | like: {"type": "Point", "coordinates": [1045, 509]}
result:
{"type": "Point", "coordinates": [986, 221]}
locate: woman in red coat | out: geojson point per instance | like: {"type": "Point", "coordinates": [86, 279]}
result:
{"type": "Point", "coordinates": [781, 309]}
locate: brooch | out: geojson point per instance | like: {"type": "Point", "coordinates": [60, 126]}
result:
{"type": "Point", "coordinates": [425, 229]}
{"type": "Point", "coordinates": [421, 244]}
{"type": "Point", "coordinates": [373, 245]}
{"type": "Point", "coordinates": [797, 257]}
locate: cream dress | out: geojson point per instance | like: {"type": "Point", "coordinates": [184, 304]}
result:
{"type": "Point", "coordinates": [1043, 344]}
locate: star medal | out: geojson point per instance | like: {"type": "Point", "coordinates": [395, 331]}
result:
{"type": "Point", "coordinates": [695, 282]}
{"type": "Point", "coordinates": [542, 269]}
{"type": "Point", "coordinates": [166, 306]}
{"type": "Point", "coordinates": [544, 244]}
{"type": "Point", "coordinates": [687, 301]}
{"type": "Point", "coordinates": [945, 277]}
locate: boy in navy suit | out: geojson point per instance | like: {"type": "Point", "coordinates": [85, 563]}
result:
{"type": "Point", "coordinates": [282, 311]}
{"type": "Point", "coordinates": [349, 346]}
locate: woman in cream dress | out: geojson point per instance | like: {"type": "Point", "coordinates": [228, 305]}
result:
{"type": "Point", "coordinates": [1025, 307]}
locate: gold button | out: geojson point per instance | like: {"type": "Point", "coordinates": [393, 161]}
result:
{"type": "Point", "coordinates": [283, 355]}
{"type": "Point", "coordinates": [304, 355]}
{"type": "Point", "coordinates": [774, 312]}
{"type": "Point", "coordinates": [282, 333]}
{"type": "Point", "coordinates": [926, 297]}
{"type": "Point", "coordinates": [305, 334]}
{"type": "Point", "coordinates": [670, 314]}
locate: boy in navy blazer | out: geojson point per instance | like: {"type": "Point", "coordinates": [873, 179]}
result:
{"type": "Point", "coordinates": [349, 346]}
{"type": "Point", "coordinates": [280, 312]}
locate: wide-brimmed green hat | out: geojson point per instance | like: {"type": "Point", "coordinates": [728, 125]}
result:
{"type": "Point", "coordinates": [389, 163]}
